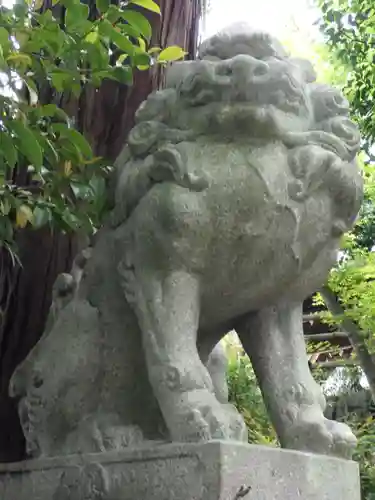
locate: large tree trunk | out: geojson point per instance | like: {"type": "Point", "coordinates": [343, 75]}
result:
{"type": "Point", "coordinates": [105, 116]}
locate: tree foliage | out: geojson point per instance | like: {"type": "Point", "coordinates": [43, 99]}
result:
{"type": "Point", "coordinates": [66, 47]}
{"type": "Point", "coordinates": [245, 394]}
{"type": "Point", "coordinates": [349, 29]}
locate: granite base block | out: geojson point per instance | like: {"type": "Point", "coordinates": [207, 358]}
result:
{"type": "Point", "coordinates": [211, 471]}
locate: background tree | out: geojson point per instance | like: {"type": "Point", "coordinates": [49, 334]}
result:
{"type": "Point", "coordinates": [348, 29]}
{"type": "Point", "coordinates": [98, 100]}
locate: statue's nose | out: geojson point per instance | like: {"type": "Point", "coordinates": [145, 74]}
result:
{"type": "Point", "coordinates": [37, 380]}
{"type": "Point", "coordinates": [244, 76]}
{"type": "Point", "coordinates": [258, 68]}
{"type": "Point", "coordinates": [243, 66]}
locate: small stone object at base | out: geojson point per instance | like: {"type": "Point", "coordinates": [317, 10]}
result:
{"type": "Point", "coordinates": [212, 471]}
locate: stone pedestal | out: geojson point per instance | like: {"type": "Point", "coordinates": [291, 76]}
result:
{"type": "Point", "coordinates": [212, 471]}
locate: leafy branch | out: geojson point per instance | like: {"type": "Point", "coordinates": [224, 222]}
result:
{"type": "Point", "coordinates": [66, 182]}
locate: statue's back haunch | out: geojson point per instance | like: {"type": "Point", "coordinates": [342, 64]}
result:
{"type": "Point", "coordinates": [230, 199]}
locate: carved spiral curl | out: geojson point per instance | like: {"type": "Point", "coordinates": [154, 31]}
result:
{"type": "Point", "coordinates": [327, 102]}
{"type": "Point", "coordinates": [143, 136]}
{"type": "Point", "coordinates": [345, 130]}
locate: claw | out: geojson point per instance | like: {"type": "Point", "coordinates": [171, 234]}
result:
{"type": "Point", "coordinates": [320, 435]}
{"type": "Point", "coordinates": [202, 418]}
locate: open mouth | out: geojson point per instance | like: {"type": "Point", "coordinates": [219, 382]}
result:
{"type": "Point", "coordinates": [28, 411]}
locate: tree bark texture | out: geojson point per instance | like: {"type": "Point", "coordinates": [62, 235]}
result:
{"type": "Point", "coordinates": [105, 116]}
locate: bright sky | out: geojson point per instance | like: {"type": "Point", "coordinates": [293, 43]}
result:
{"type": "Point", "coordinates": [277, 17]}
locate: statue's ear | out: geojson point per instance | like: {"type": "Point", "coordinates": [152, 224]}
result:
{"type": "Point", "coordinates": [306, 68]}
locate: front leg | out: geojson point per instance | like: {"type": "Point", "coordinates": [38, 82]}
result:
{"type": "Point", "coordinates": [273, 338]}
{"type": "Point", "coordinates": [167, 307]}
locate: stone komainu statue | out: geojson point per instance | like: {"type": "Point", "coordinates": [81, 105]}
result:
{"type": "Point", "coordinates": [230, 199]}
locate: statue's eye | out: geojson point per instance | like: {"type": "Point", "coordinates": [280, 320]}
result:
{"type": "Point", "coordinates": [260, 70]}
{"type": "Point", "coordinates": [225, 70]}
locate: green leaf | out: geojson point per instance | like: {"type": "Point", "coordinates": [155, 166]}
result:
{"type": "Point", "coordinates": [53, 110]}
{"type": "Point", "coordinates": [51, 41]}
{"type": "Point", "coordinates": [76, 89]}
{"type": "Point", "coordinates": [33, 91]}
{"type": "Point", "coordinates": [22, 37]}
{"type": "Point", "coordinates": [80, 190]}
{"type": "Point", "coordinates": [172, 53]}
{"type": "Point", "coordinates": [92, 37]}
{"type": "Point", "coordinates": [139, 22]}
{"type": "Point", "coordinates": [6, 229]}
{"type": "Point", "coordinates": [36, 4]}
{"type": "Point", "coordinates": [121, 59]}
{"type": "Point", "coordinates": [64, 79]}
{"type": "Point", "coordinates": [97, 57]}
{"type": "Point", "coordinates": [128, 29]}
{"type": "Point", "coordinates": [27, 143]}
{"type": "Point", "coordinates": [3, 63]}
{"type": "Point", "coordinates": [41, 216]}
{"type": "Point", "coordinates": [122, 41]}
{"type": "Point", "coordinates": [19, 58]}
{"type": "Point", "coordinates": [68, 151]}
{"type": "Point", "coordinates": [102, 5]}
{"type": "Point", "coordinates": [69, 3]}
{"type": "Point", "coordinates": [331, 16]}
{"type": "Point", "coordinates": [61, 80]}
{"type": "Point", "coordinates": [24, 215]}
{"type": "Point", "coordinates": [122, 74]}
{"type": "Point", "coordinates": [77, 139]}
{"type": "Point", "coordinates": [98, 188]}
{"type": "Point", "coordinates": [147, 4]}
{"type": "Point", "coordinates": [113, 14]}
{"type": "Point", "coordinates": [5, 206]}
{"type": "Point", "coordinates": [7, 149]}
{"type": "Point", "coordinates": [70, 219]}
{"type": "Point", "coordinates": [75, 15]}
{"type": "Point", "coordinates": [142, 45]}
{"type": "Point", "coordinates": [154, 50]}
{"type": "Point", "coordinates": [4, 40]}
{"type": "Point", "coordinates": [20, 10]}
{"type": "Point", "coordinates": [141, 61]}
{"type": "Point", "coordinates": [105, 28]}
{"type": "Point", "coordinates": [50, 153]}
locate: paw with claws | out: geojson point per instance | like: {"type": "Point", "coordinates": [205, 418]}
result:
{"type": "Point", "coordinates": [314, 433]}
{"type": "Point", "coordinates": [201, 417]}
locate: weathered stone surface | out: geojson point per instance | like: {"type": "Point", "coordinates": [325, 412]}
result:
{"type": "Point", "coordinates": [212, 471]}
{"type": "Point", "coordinates": [230, 200]}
